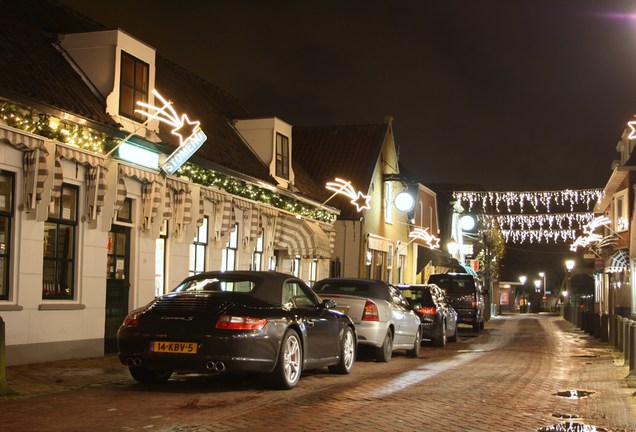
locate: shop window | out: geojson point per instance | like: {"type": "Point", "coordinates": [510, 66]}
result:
{"type": "Point", "coordinates": [257, 256]}
{"type": "Point", "coordinates": [198, 249]}
{"type": "Point", "coordinates": [160, 260]}
{"type": "Point", "coordinates": [7, 181]}
{"type": "Point", "coordinates": [282, 156]}
{"type": "Point", "coordinates": [296, 266]}
{"type": "Point", "coordinates": [133, 86]}
{"type": "Point", "coordinates": [58, 280]}
{"type": "Point", "coordinates": [228, 261]}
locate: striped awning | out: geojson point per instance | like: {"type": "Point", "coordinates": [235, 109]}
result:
{"type": "Point", "coordinates": [20, 139]}
{"type": "Point", "coordinates": [379, 243]}
{"type": "Point", "coordinates": [302, 237]}
{"type": "Point", "coordinates": [618, 262]}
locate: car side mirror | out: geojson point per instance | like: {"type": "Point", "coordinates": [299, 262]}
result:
{"type": "Point", "coordinates": [329, 303]}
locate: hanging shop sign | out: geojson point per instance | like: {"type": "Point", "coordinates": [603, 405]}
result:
{"type": "Point", "coordinates": [191, 137]}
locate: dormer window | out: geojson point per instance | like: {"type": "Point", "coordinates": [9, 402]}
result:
{"type": "Point", "coordinates": [282, 156]}
{"type": "Point", "coordinates": [133, 86]}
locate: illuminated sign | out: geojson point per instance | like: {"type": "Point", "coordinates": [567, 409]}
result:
{"type": "Point", "coordinates": [138, 155]}
{"type": "Point", "coordinates": [422, 234]}
{"type": "Point", "coordinates": [343, 187]}
{"type": "Point", "coordinates": [191, 137]}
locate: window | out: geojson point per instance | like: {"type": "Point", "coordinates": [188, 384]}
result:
{"type": "Point", "coordinates": [124, 214]}
{"type": "Point", "coordinates": [282, 156]}
{"type": "Point", "coordinates": [6, 219]}
{"type": "Point", "coordinates": [160, 260]}
{"type": "Point", "coordinates": [198, 249]}
{"type": "Point", "coordinates": [133, 86]}
{"type": "Point", "coordinates": [389, 264]}
{"type": "Point", "coordinates": [313, 272]}
{"type": "Point", "coordinates": [296, 266]}
{"type": "Point", "coordinates": [257, 256]}
{"type": "Point", "coordinates": [295, 296]}
{"type": "Point", "coordinates": [620, 211]}
{"type": "Point", "coordinates": [388, 192]}
{"type": "Point", "coordinates": [59, 246]}
{"type": "Point", "coordinates": [228, 261]}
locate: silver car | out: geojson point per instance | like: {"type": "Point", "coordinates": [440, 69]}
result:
{"type": "Point", "coordinates": [383, 317]}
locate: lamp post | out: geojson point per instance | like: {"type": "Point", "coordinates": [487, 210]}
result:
{"type": "Point", "coordinates": [569, 265]}
{"type": "Point", "coordinates": [523, 306]}
{"type": "Point", "coordinates": [544, 297]}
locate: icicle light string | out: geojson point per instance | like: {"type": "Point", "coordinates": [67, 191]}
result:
{"type": "Point", "coordinates": [544, 221]}
{"type": "Point", "coordinates": [587, 197]}
{"type": "Point", "coordinates": [538, 236]}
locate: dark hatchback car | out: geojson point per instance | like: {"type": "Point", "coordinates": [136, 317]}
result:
{"type": "Point", "coordinates": [237, 321]}
{"type": "Point", "coordinates": [439, 319]}
{"type": "Point", "coordinates": [465, 294]}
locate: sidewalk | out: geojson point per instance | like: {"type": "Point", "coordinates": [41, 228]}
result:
{"type": "Point", "coordinates": [57, 376]}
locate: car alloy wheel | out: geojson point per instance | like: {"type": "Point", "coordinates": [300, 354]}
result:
{"type": "Point", "coordinates": [290, 361]}
{"type": "Point", "coordinates": [347, 353]}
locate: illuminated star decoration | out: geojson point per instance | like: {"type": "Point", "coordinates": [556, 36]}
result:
{"type": "Point", "coordinates": [589, 237]}
{"type": "Point", "coordinates": [343, 187]}
{"type": "Point", "coordinates": [632, 126]}
{"type": "Point", "coordinates": [422, 234]}
{"type": "Point", "coordinates": [183, 127]}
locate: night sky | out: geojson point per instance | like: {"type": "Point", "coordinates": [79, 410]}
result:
{"type": "Point", "coordinates": [508, 94]}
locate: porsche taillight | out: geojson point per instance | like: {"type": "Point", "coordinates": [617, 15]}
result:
{"type": "Point", "coordinates": [428, 310]}
{"type": "Point", "coordinates": [370, 312]}
{"type": "Point", "coordinates": [236, 322]}
{"type": "Point", "coordinates": [132, 320]}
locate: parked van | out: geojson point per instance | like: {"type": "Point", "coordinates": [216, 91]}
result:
{"type": "Point", "coordinates": [465, 294]}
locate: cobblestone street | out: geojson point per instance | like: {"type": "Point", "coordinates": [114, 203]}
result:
{"type": "Point", "coordinates": [507, 378]}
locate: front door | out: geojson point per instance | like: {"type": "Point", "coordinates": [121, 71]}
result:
{"type": "Point", "coordinates": [117, 284]}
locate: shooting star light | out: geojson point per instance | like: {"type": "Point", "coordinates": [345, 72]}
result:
{"type": "Point", "coordinates": [184, 128]}
{"type": "Point", "coordinates": [344, 187]}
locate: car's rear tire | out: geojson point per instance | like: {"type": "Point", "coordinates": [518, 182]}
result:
{"type": "Point", "coordinates": [476, 326]}
{"type": "Point", "coordinates": [440, 339]}
{"type": "Point", "coordinates": [289, 363]}
{"type": "Point", "coordinates": [347, 353]}
{"type": "Point", "coordinates": [453, 338]}
{"type": "Point", "coordinates": [417, 345]}
{"type": "Point", "coordinates": [384, 352]}
{"type": "Point", "coordinates": [149, 376]}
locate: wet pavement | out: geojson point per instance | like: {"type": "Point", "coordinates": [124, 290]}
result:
{"type": "Point", "coordinates": [522, 373]}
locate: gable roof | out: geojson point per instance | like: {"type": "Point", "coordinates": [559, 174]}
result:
{"type": "Point", "coordinates": [33, 69]}
{"type": "Point", "coordinates": [347, 152]}
{"type": "Point", "coordinates": [35, 72]}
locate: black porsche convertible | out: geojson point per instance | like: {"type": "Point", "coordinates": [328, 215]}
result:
{"type": "Point", "coordinates": [237, 321]}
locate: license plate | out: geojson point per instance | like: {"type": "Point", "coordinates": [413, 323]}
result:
{"type": "Point", "coordinates": [174, 347]}
{"type": "Point", "coordinates": [341, 310]}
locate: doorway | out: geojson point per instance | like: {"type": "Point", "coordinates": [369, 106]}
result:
{"type": "Point", "coordinates": [117, 284]}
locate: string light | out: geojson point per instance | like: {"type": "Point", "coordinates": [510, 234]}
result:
{"type": "Point", "coordinates": [538, 236]}
{"type": "Point", "coordinates": [544, 221]}
{"type": "Point", "coordinates": [587, 197]}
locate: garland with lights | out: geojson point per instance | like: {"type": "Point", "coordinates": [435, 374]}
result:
{"type": "Point", "coordinates": [55, 128]}
{"type": "Point", "coordinates": [588, 197]}
{"type": "Point", "coordinates": [240, 188]}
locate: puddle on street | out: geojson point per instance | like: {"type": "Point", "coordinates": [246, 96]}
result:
{"type": "Point", "coordinates": [565, 416]}
{"type": "Point", "coordinates": [572, 427]}
{"type": "Point", "coordinates": [574, 394]}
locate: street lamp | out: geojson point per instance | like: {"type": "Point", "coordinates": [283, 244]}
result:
{"type": "Point", "coordinates": [537, 285]}
{"type": "Point", "coordinates": [569, 265]}
{"type": "Point", "coordinates": [522, 302]}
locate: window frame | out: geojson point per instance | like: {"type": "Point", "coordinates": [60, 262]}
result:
{"type": "Point", "coordinates": [5, 253]}
{"type": "Point", "coordinates": [52, 292]}
{"type": "Point", "coordinates": [388, 193]}
{"type": "Point", "coordinates": [135, 88]}
{"type": "Point", "coordinates": [257, 255]}
{"type": "Point", "coordinates": [199, 249]}
{"type": "Point", "coordinates": [231, 249]}
{"type": "Point", "coordinates": [282, 156]}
